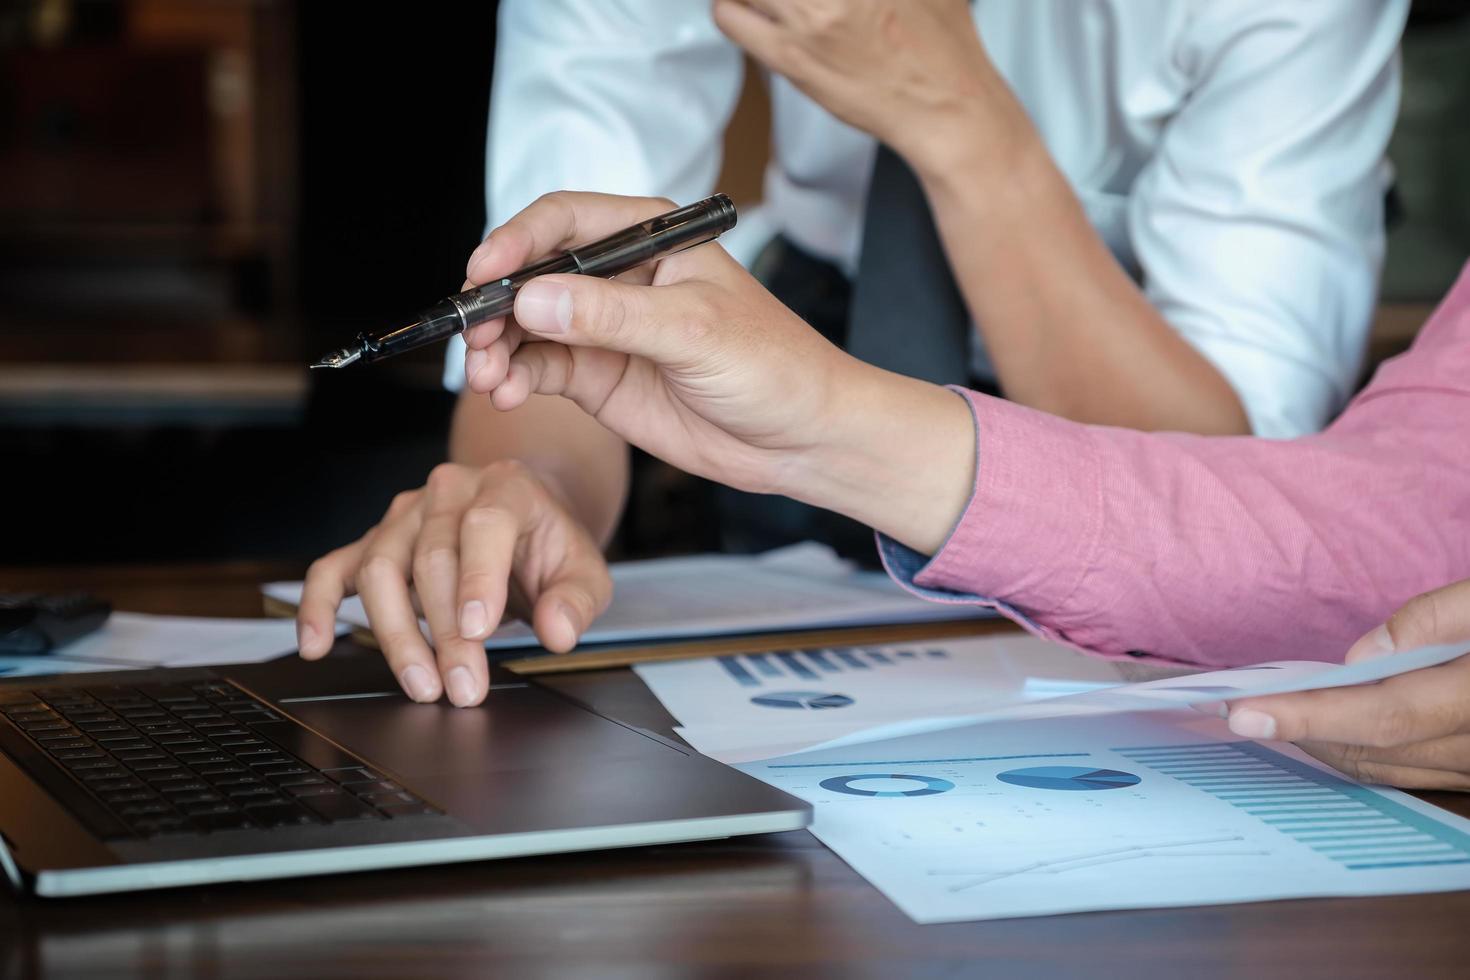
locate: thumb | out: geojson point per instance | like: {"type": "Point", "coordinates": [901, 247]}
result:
{"type": "Point", "coordinates": [581, 311]}
{"type": "Point", "coordinates": [1440, 616]}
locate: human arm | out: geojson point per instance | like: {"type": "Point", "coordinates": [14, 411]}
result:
{"type": "Point", "coordinates": [1412, 730]}
{"type": "Point", "coordinates": [1256, 223]}
{"type": "Point", "coordinates": [615, 94]}
{"type": "Point", "coordinates": [1207, 550]}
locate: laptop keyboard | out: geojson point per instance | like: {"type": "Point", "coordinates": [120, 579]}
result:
{"type": "Point", "coordinates": [147, 761]}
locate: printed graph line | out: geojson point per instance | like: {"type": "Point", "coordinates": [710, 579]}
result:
{"type": "Point", "coordinates": [927, 762]}
{"type": "Point", "coordinates": [1089, 859]}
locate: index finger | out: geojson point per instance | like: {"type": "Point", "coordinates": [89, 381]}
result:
{"type": "Point", "coordinates": [554, 222]}
{"type": "Point", "coordinates": [1413, 707]}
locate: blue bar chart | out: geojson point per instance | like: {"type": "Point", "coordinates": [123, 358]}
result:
{"type": "Point", "coordinates": [1343, 821]}
{"type": "Point", "coordinates": [783, 667]}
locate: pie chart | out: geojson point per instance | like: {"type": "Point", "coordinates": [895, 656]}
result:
{"type": "Point", "coordinates": [812, 700]}
{"type": "Point", "coordinates": [1074, 778]}
{"type": "Point", "coordinates": [913, 785]}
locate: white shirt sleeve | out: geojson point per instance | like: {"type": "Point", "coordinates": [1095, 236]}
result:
{"type": "Point", "coordinates": [1259, 223]}
{"type": "Point", "coordinates": [618, 96]}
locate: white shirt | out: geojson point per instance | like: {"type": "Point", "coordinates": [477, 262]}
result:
{"type": "Point", "coordinates": [1229, 152]}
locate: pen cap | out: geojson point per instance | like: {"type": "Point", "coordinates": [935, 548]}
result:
{"type": "Point", "coordinates": [659, 236]}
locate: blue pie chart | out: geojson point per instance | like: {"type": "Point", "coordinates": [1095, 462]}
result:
{"type": "Point", "coordinates": [812, 700]}
{"type": "Point", "coordinates": [1075, 778]}
{"type": "Point", "coordinates": [923, 785]}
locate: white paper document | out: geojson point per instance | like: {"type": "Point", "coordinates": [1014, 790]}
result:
{"type": "Point", "coordinates": [741, 708]}
{"type": "Point", "coordinates": [1136, 810]}
{"type": "Point", "coordinates": [805, 586]}
{"type": "Point", "coordinates": [756, 706]}
{"type": "Point", "coordinates": [139, 640]}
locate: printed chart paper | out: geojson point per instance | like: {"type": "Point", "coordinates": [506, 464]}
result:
{"type": "Point", "coordinates": [1125, 811]}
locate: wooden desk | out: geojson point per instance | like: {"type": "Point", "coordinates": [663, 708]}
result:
{"type": "Point", "coordinates": [755, 906]}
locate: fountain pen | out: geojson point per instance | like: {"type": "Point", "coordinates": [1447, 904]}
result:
{"type": "Point", "coordinates": [607, 257]}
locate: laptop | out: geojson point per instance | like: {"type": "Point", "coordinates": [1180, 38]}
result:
{"type": "Point", "coordinates": [130, 780]}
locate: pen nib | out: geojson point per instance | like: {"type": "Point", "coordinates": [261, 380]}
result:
{"type": "Point", "coordinates": [338, 358]}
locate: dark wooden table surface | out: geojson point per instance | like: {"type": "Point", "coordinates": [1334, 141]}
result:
{"type": "Point", "coordinates": [757, 906]}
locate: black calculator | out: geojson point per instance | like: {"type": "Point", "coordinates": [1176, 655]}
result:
{"type": "Point", "coordinates": [32, 623]}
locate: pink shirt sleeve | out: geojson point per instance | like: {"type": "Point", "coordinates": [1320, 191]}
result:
{"type": "Point", "coordinates": [1222, 551]}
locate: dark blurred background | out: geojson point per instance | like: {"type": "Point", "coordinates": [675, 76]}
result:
{"type": "Point", "coordinates": [198, 196]}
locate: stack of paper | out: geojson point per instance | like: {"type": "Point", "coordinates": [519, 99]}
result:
{"type": "Point", "coordinates": [137, 640]}
{"type": "Point", "coordinates": [1004, 777]}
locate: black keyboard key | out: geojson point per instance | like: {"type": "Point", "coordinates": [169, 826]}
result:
{"type": "Point", "coordinates": [182, 787]}
{"type": "Point", "coordinates": [237, 742]}
{"type": "Point", "coordinates": [115, 785]}
{"type": "Point", "coordinates": [265, 761]}
{"type": "Point", "coordinates": [76, 755]}
{"type": "Point", "coordinates": [60, 735]}
{"type": "Point", "coordinates": [204, 758]}
{"type": "Point", "coordinates": [162, 825]}
{"type": "Point", "coordinates": [356, 774]}
{"type": "Point", "coordinates": [175, 741]}
{"type": "Point", "coordinates": [224, 820]}
{"type": "Point", "coordinates": [409, 810]}
{"type": "Point", "coordinates": [200, 714]}
{"type": "Point", "coordinates": [277, 815]}
{"type": "Point", "coordinates": [385, 800]}
{"type": "Point", "coordinates": [44, 725]}
{"type": "Point", "coordinates": [147, 754]}
{"type": "Point", "coordinates": [339, 808]}
{"type": "Point", "coordinates": [208, 809]}
{"type": "Point", "coordinates": [82, 766]}
{"type": "Point", "coordinates": [378, 786]}
{"type": "Point", "coordinates": [59, 745]}
{"type": "Point", "coordinates": [151, 715]}
{"type": "Point", "coordinates": [146, 809]}
{"type": "Point", "coordinates": [257, 791]}
{"type": "Point", "coordinates": [184, 799]}
{"type": "Point", "coordinates": [217, 773]}
{"type": "Point", "coordinates": [121, 743]}
{"type": "Point", "coordinates": [160, 778]}
{"type": "Point", "coordinates": [154, 730]}
{"type": "Point", "coordinates": [291, 768]}
{"type": "Point", "coordinates": [89, 773]}
{"type": "Point", "coordinates": [218, 729]}
{"type": "Point", "coordinates": [320, 788]}
{"type": "Point", "coordinates": [129, 796]}
{"type": "Point", "coordinates": [95, 728]}
{"type": "Point", "coordinates": [304, 778]}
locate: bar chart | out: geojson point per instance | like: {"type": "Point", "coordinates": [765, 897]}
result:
{"type": "Point", "coordinates": [1343, 821]}
{"type": "Point", "coordinates": [760, 669]}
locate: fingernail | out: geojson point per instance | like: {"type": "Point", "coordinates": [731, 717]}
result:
{"type": "Point", "coordinates": [461, 687]}
{"type": "Point", "coordinates": [306, 639]}
{"type": "Point", "coordinates": [544, 307]}
{"type": "Point", "coordinates": [1382, 642]}
{"type": "Point", "coordinates": [417, 682]}
{"type": "Point", "coordinates": [1216, 708]}
{"type": "Point", "coordinates": [473, 361]}
{"type": "Point", "coordinates": [1249, 723]}
{"type": "Point", "coordinates": [473, 620]}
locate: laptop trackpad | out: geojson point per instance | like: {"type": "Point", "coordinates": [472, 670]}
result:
{"type": "Point", "coordinates": [526, 760]}
{"type": "Point", "coordinates": [516, 728]}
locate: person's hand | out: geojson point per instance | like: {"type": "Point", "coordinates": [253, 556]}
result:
{"type": "Point", "coordinates": [913, 73]}
{"type": "Point", "coordinates": [1412, 730]}
{"type": "Point", "coordinates": [468, 545]}
{"type": "Point", "coordinates": [693, 361]}
{"type": "Point", "coordinates": [707, 370]}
